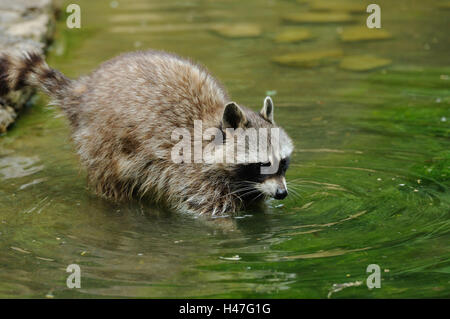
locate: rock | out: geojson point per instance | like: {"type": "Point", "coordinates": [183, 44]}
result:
{"type": "Point", "coordinates": [25, 25]}
{"type": "Point", "coordinates": [319, 17]}
{"type": "Point", "coordinates": [293, 35]}
{"type": "Point", "coordinates": [363, 63]}
{"type": "Point", "coordinates": [9, 17]}
{"type": "Point", "coordinates": [354, 34]}
{"type": "Point", "coordinates": [239, 30]}
{"type": "Point", "coordinates": [308, 59]}
{"type": "Point", "coordinates": [35, 29]}
{"type": "Point", "coordinates": [26, 6]}
{"type": "Point", "coordinates": [20, 44]}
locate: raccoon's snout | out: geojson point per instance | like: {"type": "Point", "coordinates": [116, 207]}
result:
{"type": "Point", "coordinates": [275, 187]}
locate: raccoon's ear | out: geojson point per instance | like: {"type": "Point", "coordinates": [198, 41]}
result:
{"type": "Point", "coordinates": [233, 116]}
{"type": "Point", "coordinates": [267, 110]}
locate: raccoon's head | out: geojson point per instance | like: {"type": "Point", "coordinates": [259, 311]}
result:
{"type": "Point", "coordinates": [260, 165]}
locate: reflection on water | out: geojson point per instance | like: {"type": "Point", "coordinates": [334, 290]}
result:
{"type": "Point", "coordinates": [330, 253]}
{"type": "Point", "coordinates": [18, 166]}
{"type": "Point", "coordinates": [369, 179]}
{"type": "Point", "coordinates": [338, 287]}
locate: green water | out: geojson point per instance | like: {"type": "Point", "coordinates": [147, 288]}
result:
{"type": "Point", "coordinates": [371, 165]}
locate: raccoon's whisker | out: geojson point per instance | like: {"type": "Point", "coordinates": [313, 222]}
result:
{"type": "Point", "coordinates": [250, 191]}
{"type": "Point", "coordinates": [242, 189]}
{"type": "Point", "coordinates": [257, 196]}
{"type": "Point", "coordinates": [246, 183]}
{"type": "Point", "coordinates": [244, 194]}
{"type": "Point", "coordinates": [238, 191]}
{"type": "Point", "coordinates": [295, 182]}
{"type": "Point", "coordinates": [295, 194]}
{"type": "Point", "coordinates": [253, 192]}
{"type": "Point", "coordinates": [298, 179]}
{"type": "Point", "coordinates": [293, 186]}
{"type": "Point", "coordinates": [297, 186]}
{"type": "Point", "coordinates": [308, 183]}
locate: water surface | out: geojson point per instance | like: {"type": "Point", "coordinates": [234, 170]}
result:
{"type": "Point", "coordinates": [370, 169]}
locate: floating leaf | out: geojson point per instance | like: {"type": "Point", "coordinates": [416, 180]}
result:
{"type": "Point", "coordinates": [308, 59]}
{"type": "Point", "coordinates": [354, 34]}
{"type": "Point", "coordinates": [293, 35]}
{"type": "Point", "coordinates": [329, 253]}
{"type": "Point", "coordinates": [319, 17]}
{"type": "Point", "coordinates": [363, 63]}
{"type": "Point", "coordinates": [243, 30]}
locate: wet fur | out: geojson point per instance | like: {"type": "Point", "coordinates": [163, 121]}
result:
{"type": "Point", "coordinates": [122, 116]}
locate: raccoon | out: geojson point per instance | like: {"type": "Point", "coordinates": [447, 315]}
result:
{"type": "Point", "coordinates": [121, 118]}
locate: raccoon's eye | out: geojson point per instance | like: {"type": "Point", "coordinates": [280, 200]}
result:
{"type": "Point", "coordinates": [284, 165]}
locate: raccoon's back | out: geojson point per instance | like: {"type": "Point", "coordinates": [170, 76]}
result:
{"type": "Point", "coordinates": [130, 106]}
{"type": "Point", "coordinates": [154, 86]}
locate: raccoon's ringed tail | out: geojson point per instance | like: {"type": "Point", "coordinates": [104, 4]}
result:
{"type": "Point", "coordinates": [30, 69]}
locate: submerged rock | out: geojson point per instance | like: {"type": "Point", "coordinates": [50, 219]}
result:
{"type": "Point", "coordinates": [363, 63]}
{"type": "Point", "coordinates": [293, 35]}
{"type": "Point", "coordinates": [354, 34]}
{"type": "Point", "coordinates": [240, 30]}
{"type": "Point", "coordinates": [319, 17]}
{"type": "Point", "coordinates": [308, 59]}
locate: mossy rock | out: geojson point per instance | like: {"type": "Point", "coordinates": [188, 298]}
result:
{"type": "Point", "coordinates": [319, 17]}
{"type": "Point", "coordinates": [354, 34]}
{"type": "Point", "coordinates": [308, 59]}
{"type": "Point", "coordinates": [240, 30]}
{"type": "Point", "coordinates": [362, 63]}
{"type": "Point", "coordinates": [340, 6]}
{"type": "Point", "coordinates": [293, 35]}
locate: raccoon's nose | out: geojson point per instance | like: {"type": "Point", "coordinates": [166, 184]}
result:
{"type": "Point", "coordinates": [280, 194]}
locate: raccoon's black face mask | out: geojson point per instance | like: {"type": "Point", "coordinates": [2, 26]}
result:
{"type": "Point", "coordinates": [252, 180]}
{"type": "Point", "coordinates": [255, 184]}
